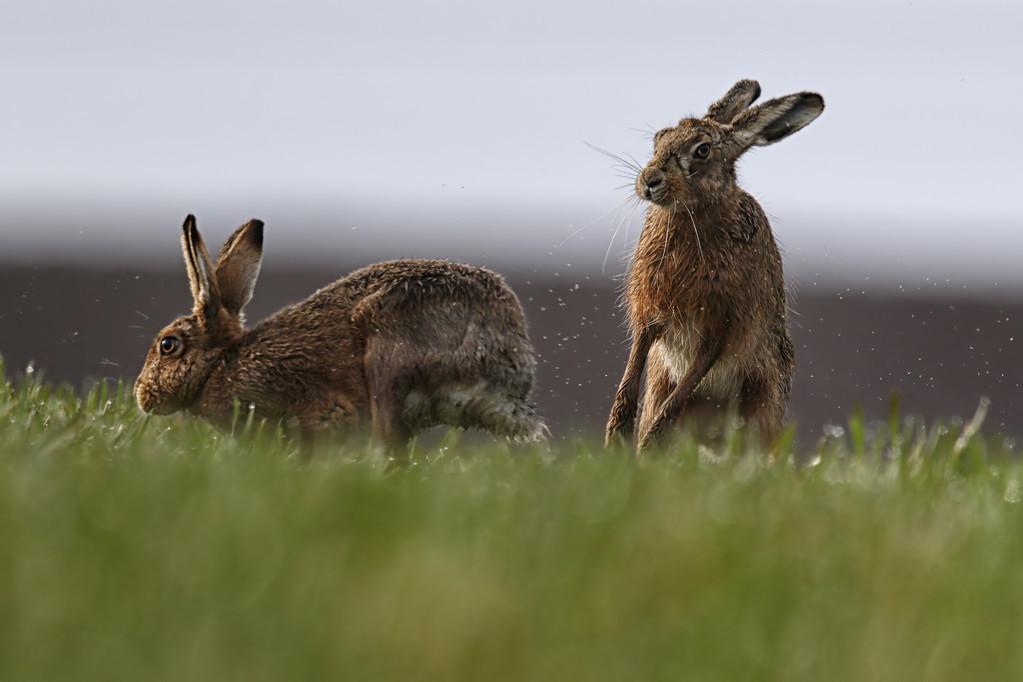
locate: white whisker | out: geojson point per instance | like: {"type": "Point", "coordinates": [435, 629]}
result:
{"type": "Point", "coordinates": [633, 164]}
{"type": "Point", "coordinates": [628, 230]}
{"type": "Point", "coordinates": [667, 230]}
{"type": "Point", "coordinates": [636, 164]}
{"type": "Point", "coordinates": [695, 231]}
{"type": "Point", "coordinates": [591, 223]}
{"type": "Point", "coordinates": [610, 244]}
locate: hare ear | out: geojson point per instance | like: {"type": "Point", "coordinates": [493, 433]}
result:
{"type": "Point", "coordinates": [776, 119]}
{"type": "Point", "coordinates": [205, 293]}
{"type": "Point", "coordinates": [735, 101]}
{"type": "Point", "coordinates": [238, 266]}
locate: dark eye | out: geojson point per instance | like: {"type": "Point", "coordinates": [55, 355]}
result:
{"type": "Point", "coordinates": [702, 150]}
{"type": "Point", "coordinates": [169, 345]}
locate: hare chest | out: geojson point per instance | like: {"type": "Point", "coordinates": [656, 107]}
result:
{"type": "Point", "coordinates": [676, 349]}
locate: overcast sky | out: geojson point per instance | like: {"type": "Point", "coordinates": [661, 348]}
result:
{"type": "Point", "coordinates": [416, 116]}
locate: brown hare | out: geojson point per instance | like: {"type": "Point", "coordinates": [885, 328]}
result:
{"type": "Point", "coordinates": [404, 345]}
{"type": "Point", "coordinates": [705, 292]}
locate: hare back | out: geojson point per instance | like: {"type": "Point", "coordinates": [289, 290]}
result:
{"type": "Point", "coordinates": [428, 316]}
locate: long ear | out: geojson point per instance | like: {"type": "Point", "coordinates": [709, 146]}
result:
{"type": "Point", "coordinates": [205, 293]}
{"type": "Point", "coordinates": [238, 266]}
{"type": "Point", "coordinates": [776, 119]}
{"type": "Point", "coordinates": [735, 101]}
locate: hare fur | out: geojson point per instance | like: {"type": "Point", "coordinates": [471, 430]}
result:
{"type": "Point", "coordinates": [403, 345]}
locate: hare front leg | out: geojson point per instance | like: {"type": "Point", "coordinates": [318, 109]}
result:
{"type": "Point", "coordinates": [672, 407]}
{"type": "Point", "coordinates": [623, 412]}
{"type": "Point", "coordinates": [657, 389]}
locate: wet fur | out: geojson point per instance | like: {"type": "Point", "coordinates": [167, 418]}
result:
{"type": "Point", "coordinates": [705, 294]}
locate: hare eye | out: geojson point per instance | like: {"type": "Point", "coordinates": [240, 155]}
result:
{"type": "Point", "coordinates": [169, 345]}
{"type": "Point", "coordinates": [702, 150]}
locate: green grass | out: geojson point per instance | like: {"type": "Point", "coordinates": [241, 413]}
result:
{"type": "Point", "coordinates": [159, 549]}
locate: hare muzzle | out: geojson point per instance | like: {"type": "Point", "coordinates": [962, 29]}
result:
{"type": "Point", "coordinates": [652, 185]}
{"type": "Point", "coordinates": [143, 397]}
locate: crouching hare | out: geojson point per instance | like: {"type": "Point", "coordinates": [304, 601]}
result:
{"type": "Point", "coordinates": [404, 345]}
{"type": "Point", "coordinates": [705, 293]}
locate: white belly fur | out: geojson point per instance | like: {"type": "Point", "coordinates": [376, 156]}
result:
{"type": "Point", "coordinates": [675, 348]}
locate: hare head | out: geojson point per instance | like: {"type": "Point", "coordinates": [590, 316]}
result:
{"type": "Point", "coordinates": [183, 353]}
{"type": "Point", "coordinates": [694, 162]}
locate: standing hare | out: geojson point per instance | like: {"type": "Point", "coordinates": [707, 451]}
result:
{"type": "Point", "coordinates": [406, 344]}
{"type": "Point", "coordinates": [705, 293]}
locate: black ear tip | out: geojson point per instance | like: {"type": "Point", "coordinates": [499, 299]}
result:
{"type": "Point", "coordinates": [189, 228]}
{"type": "Point", "coordinates": [256, 232]}
{"type": "Point", "coordinates": [814, 99]}
{"type": "Point", "coordinates": [748, 84]}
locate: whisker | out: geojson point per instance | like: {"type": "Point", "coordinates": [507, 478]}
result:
{"type": "Point", "coordinates": [649, 131]}
{"type": "Point", "coordinates": [667, 230]}
{"type": "Point", "coordinates": [628, 229]}
{"type": "Point", "coordinates": [695, 231]}
{"type": "Point", "coordinates": [607, 254]}
{"type": "Point", "coordinates": [634, 165]}
{"type": "Point", "coordinates": [621, 220]}
{"type": "Point", "coordinates": [634, 161]}
{"type": "Point", "coordinates": [590, 224]}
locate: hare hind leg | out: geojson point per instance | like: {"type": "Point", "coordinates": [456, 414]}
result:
{"type": "Point", "coordinates": [388, 425]}
{"type": "Point", "coordinates": [387, 387]}
{"type": "Point", "coordinates": [762, 407]}
{"type": "Point", "coordinates": [488, 407]}
{"type": "Point", "coordinates": [387, 422]}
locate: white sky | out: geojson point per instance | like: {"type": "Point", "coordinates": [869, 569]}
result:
{"type": "Point", "coordinates": [433, 112]}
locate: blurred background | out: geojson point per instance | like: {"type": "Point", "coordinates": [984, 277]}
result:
{"type": "Point", "coordinates": [363, 131]}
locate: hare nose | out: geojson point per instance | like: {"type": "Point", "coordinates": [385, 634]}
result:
{"type": "Point", "coordinates": [652, 178]}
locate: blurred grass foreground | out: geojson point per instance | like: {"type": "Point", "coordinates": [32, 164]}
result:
{"type": "Point", "coordinates": [136, 548]}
